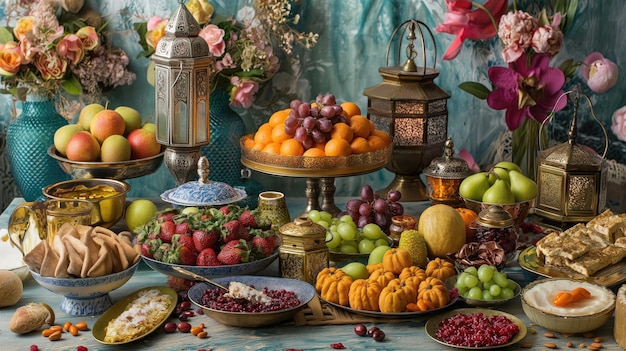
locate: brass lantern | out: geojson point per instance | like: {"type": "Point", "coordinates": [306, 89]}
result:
{"type": "Point", "coordinates": [182, 62]}
{"type": "Point", "coordinates": [412, 109]}
{"type": "Point", "coordinates": [571, 178]}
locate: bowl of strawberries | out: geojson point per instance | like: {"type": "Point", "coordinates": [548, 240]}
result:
{"type": "Point", "coordinates": [230, 240]}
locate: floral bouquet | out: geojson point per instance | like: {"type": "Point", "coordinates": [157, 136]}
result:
{"type": "Point", "coordinates": [243, 48]}
{"type": "Point", "coordinates": [58, 48]}
{"type": "Point", "coordinates": [529, 88]}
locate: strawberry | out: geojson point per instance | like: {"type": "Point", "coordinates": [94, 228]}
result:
{"type": "Point", "coordinates": [183, 228]}
{"type": "Point", "coordinates": [272, 238]}
{"type": "Point", "coordinates": [225, 209]}
{"type": "Point", "coordinates": [262, 245]}
{"type": "Point", "coordinates": [182, 251]}
{"type": "Point", "coordinates": [253, 219]}
{"type": "Point", "coordinates": [207, 257]}
{"type": "Point", "coordinates": [203, 239]}
{"type": "Point", "coordinates": [231, 231]}
{"type": "Point", "coordinates": [162, 251]}
{"type": "Point", "coordinates": [167, 230]}
{"type": "Point", "coordinates": [165, 216]}
{"type": "Point", "coordinates": [148, 247]}
{"type": "Point", "coordinates": [188, 256]}
{"type": "Point", "coordinates": [183, 240]}
{"type": "Point", "coordinates": [244, 233]}
{"type": "Point", "coordinates": [234, 252]}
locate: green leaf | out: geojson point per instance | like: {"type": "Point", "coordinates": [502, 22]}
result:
{"type": "Point", "coordinates": [72, 86]}
{"type": "Point", "coordinates": [5, 34]}
{"type": "Point", "coordinates": [543, 18]}
{"type": "Point", "coordinates": [477, 89]}
{"type": "Point", "coordinates": [570, 14]}
{"type": "Point", "coordinates": [255, 72]}
{"type": "Point", "coordinates": [559, 6]}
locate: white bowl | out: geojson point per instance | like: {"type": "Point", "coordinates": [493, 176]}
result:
{"type": "Point", "coordinates": [86, 296]}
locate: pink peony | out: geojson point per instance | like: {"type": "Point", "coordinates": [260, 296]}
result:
{"type": "Point", "coordinates": [50, 65]}
{"type": "Point", "coordinates": [619, 123]}
{"type": "Point", "coordinates": [89, 37]}
{"type": "Point", "coordinates": [516, 30]}
{"type": "Point", "coordinates": [71, 48]}
{"type": "Point", "coordinates": [154, 22]}
{"type": "Point", "coordinates": [547, 40]}
{"type": "Point", "coordinates": [226, 62]}
{"type": "Point", "coordinates": [214, 37]}
{"type": "Point", "coordinates": [466, 23]}
{"type": "Point", "coordinates": [601, 74]}
{"type": "Point", "coordinates": [242, 91]}
{"type": "Point", "coordinates": [10, 58]}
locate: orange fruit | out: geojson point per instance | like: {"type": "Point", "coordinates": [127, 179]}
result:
{"type": "Point", "coordinates": [376, 142]}
{"type": "Point", "coordinates": [314, 152]}
{"type": "Point", "coordinates": [360, 145]}
{"type": "Point", "coordinates": [350, 109]}
{"type": "Point", "coordinates": [360, 126]}
{"type": "Point", "coordinates": [337, 147]}
{"type": "Point", "coordinates": [320, 146]}
{"type": "Point", "coordinates": [272, 148]}
{"type": "Point", "coordinates": [291, 147]}
{"type": "Point", "coordinates": [278, 133]}
{"type": "Point", "coordinates": [258, 146]}
{"type": "Point", "coordinates": [382, 134]}
{"type": "Point", "coordinates": [263, 135]}
{"type": "Point", "coordinates": [342, 131]}
{"type": "Point", "coordinates": [248, 143]}
{"type": "Point", "coordinates": [278, 117]}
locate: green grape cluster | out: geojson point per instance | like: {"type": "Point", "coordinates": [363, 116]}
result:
{"type": "Point", "coordinates": [485, 283]}
{"type": "Point", "coordinates": [343, 235]}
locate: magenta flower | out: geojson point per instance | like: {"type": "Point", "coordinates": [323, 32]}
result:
{"type": "Point", "coordinates": [600, 74]}
{"type": "Point", "coordinates": [466, 23]}
{"type": "Point", "coordinates": [529, 87]}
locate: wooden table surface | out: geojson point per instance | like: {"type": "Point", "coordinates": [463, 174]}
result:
{"type": "Point", "coordinates": [409, 335]}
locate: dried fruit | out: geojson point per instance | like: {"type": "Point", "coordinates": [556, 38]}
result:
{"type": "Point", "coordinates": [56, 335]}
{"type": "Point", "coordinates": [550, 345]}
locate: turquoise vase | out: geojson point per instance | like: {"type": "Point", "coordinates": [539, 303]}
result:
{"type": "Point", "coordinates": [28, 138]}
{"type": "Point", "coordinates": [223, 151]}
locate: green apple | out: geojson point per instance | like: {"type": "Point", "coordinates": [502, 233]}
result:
{"type": "Point", "coordinates": [509, 166]}
{"type": "Point", "coordinates": [140, 212]}
{"type": "Point", "coordinates": [522, 187]}
{"type": "Point", "coordinates": [131, 117]}
{"type": "Point", "coordinates": [356, 270]}
{"type": "Point", "coordinates": [376, 256]}
{"type": "Point", "coordinates": [115, 148]}
{"type": "Point", "coordinates": [151, 127]}
{"type": "Point", "coordinates": [87, 114]}
{"type": "Point", "coordinates": [474, 186]}
{"type": "Point", "coordinates": [190, 210]}
{"type": "Point", "coordinates": [63, 135]}
{"type": "Point", "coordinates": [499, 193]}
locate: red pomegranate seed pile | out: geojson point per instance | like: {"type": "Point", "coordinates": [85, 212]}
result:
{"type": "Point", "coordinates": [281, 300]}
{"type": "Point", "coordinates": [476, 330]}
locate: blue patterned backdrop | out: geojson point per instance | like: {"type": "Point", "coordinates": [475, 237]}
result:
{"type": "Point", "coordinates": [352, 45]}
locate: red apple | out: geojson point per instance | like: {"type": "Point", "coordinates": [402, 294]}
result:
{"type": "Point", "coordinates": [142, 144]}
{"type": "Point", "coordinates": [106, 123]}
{"type": "Point", "coordinates": [83, 147]}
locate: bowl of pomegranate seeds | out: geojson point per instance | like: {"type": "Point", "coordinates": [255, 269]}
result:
{"type": "Point", "coordinates": [251, 301]}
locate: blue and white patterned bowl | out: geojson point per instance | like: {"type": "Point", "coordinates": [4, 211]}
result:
{"type": "Point", "coordinates": [212, 271]}
{"type": "Point", "coordinates": [195, 193]}
{"type": "Point", "coordinates": [303, 290]}
{"type": "Point", "coordinates": [86, 296]}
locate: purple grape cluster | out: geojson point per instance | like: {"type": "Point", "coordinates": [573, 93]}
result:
{"type": "Point", "coordinates": [311, 124]}
{"type": "Point", "coordinates": [371, 208]}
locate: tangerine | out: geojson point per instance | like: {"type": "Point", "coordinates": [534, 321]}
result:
{"type": "Point", "coordinates": [342, 131]}
{"type": "Point", "coordinates": [314, 152]}
{"type": "Point", "coordinates": [376, 142]}
{"type": "Point", "coordinates": [337, 147]}
{"type": "Point", "coordinates": [278, 117]}
{"type": "Point", "coordinates": [360, 126]}
{"type": "Point", "coordinates": [350, 109]}
{"type": "Point", "coordinates": [291, 147]}
{"type": "Point", "coordinates": [360, 145]}
{"type": "Point", "coordinates": [263, 135]}
{"type": "Point", "coordinates": [382, 134]}
{"type": "Point", "coordinates": [272, 148]}
{"type": "Point", "coordinates": [248, 143]}
{"type": "Point", "coordinates": [278, 133]}
{"type": "Point", "coordinates": [258, 146]}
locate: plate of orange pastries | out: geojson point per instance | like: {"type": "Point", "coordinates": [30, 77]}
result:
{"type": "Point", "coordinates": [320, 135]}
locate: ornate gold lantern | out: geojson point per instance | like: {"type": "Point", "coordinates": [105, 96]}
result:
{"type": "Point", "coordinates": [444, 176]}
{"type": "Point", "coordinates": [182, 62]}
{"type": "Point", "coordinates": [303, 253]}
{"type": "Point", "coordinates": [571, 178]}
{"type": "Point", "coordinates": [413, 110]}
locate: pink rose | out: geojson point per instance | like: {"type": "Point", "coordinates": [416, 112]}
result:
{"type": "Point", "coordinates": [226, 62]}
{"type": "Point", "coordinates": [23, 26]}
{"type": "Point", "coordinates": [154, 35]}
{"type": "Point", "coordinates": [214, 37]}
{"type": "Point", "coordinates": [601, 74]}
{"type": "Point", "coordinates": [71, 48]}
{"type": "Point", "coordinates": [89, 37]}
{"type": "Point", "coordinates": [154, 22]}
{"type": "Point", "coordinates": [242, 92]}
{"type": "Point", "coordinates": [10, 58]}
{"type": "Point", "coordinates": [619, 123]}
{"type": "Point", "coordinates": [50, 65]}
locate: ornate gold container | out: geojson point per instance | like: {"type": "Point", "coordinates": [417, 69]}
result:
{"type": "Point", "coordinates": [303, 253]}
{"type": "Point", "coordinates": [444, 176]}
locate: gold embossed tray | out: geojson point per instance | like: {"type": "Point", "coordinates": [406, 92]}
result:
{"type": "Point", "coordinates": [304, 166]}
{"type": "Point", "coordinates": [609, 276]}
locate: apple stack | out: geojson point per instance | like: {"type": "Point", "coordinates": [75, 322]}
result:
{"type": "Point", "coordinates": [107, 135]}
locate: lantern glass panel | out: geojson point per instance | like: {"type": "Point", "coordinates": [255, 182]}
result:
{"type": "Point", "coordinates": [410, 107]}
{"type": "Point", "coordinates": [382, 122]}
{"type": "Point", "coordinates": [582, 190]}
{"type": "Point", "coordinates": [437, 106]}
{"type": "Point", "coordinates": [437, 129]}
{"type": "Point", "coordinates": [380, 105]}
{"type": "Point", "coordinates": [551, 188]}
{"type": "Point", "coordinates": [180, 123]}
{"type": "Point", "coordinates": [202, 128]}
{"type": "Point", "coordinates": [162, 125]}
{"type": "Point", "coordinates": [408, 131]}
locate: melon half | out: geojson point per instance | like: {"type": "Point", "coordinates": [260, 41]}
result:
{"type": "Point", "coordinates": [443, 229]}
